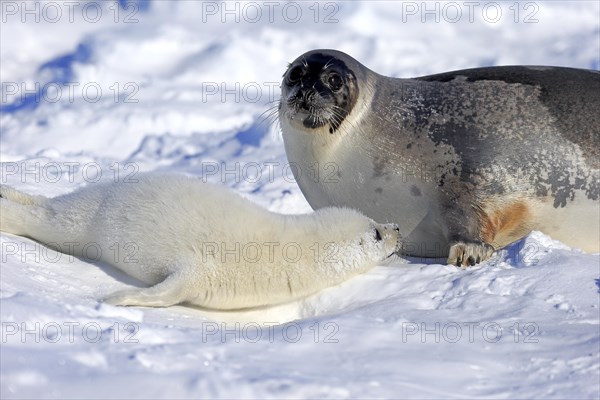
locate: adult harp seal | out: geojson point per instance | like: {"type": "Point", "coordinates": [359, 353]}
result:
{"type": "Point", "coordinates": [464, 162]}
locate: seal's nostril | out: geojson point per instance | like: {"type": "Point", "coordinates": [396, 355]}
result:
{"type": "Point", "coordinates": [397, 229]}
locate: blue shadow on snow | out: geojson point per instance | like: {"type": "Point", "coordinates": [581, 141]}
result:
{"type": "Point", "coordinates": [142, 5]}
{"type": "Point", "coordinates": [252, 136]}
{"type": "Point", "coordinates": [60, 69]}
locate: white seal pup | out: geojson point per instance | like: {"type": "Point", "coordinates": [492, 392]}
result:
{"type": "Point", "coordinates": [199, 243]}
{"type": "Point", "coordinates": [469, 161]}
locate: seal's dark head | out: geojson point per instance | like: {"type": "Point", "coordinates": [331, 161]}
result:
{"type": "Point", "coordinates": [319, 89]}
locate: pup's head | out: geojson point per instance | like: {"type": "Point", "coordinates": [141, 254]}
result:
{"type": "Point", "coordinates": [356, 242]}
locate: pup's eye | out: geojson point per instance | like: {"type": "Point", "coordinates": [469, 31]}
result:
{"type": "Point", "coordinates": [378, 235]}
{"type": "Point", "coordinates": [335, 81]}
{"type": "Point", "coordinates": [295, 74]}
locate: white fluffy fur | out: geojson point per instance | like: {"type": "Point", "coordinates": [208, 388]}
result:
{"type": "Point", "coordinates": [172, 232]}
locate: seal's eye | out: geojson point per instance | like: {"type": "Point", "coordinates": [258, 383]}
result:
{"type": "Point", "coordinates": [378, 235]}
{"type": "Point", "coordinates": [335, 81]}
{"type": "Point", "coordinates": [295, 74]}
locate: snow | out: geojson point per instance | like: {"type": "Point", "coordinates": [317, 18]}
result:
{"type": "Point", "coordinates": [523, 325]}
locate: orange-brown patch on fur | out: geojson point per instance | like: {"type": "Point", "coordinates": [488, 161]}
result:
{"type": "Point", "coordinates": [502, 224]}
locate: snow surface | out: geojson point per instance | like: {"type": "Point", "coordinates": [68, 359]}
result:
{"type": "Point", "coordinates": [523, 325]}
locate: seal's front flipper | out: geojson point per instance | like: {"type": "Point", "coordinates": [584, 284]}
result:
{"type": "Point", "coordinates": [465, 254]}
{"type": "Point", "coordinates": [169, 292]}
{"type": "Point", "coordinates": [489, 224]}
